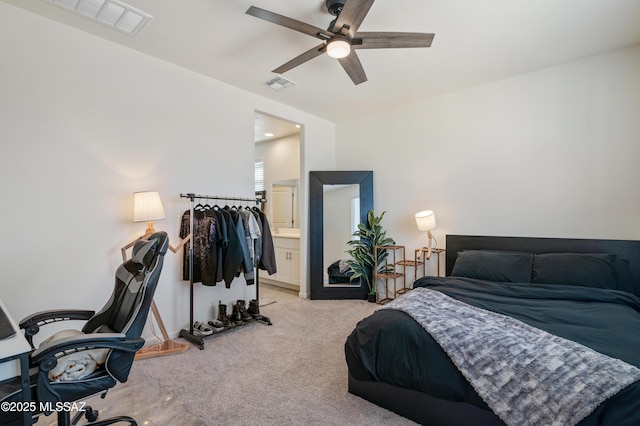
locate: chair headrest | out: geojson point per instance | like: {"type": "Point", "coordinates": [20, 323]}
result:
{"type": "Point", "coordinates": [163, 241]}
{"type": "Point", "coordinates": [145, 249]}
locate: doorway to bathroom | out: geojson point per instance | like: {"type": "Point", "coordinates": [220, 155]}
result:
{"type": "Point", "coordinates": [277, 159]}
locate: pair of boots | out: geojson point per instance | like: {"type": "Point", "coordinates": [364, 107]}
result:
{"type": "Point", "coordinates": [239, 313]}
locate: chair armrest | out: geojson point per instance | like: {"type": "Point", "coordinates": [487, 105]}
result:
{"type": "Point", "coordinates": [46, 317]}
{"type": "Point", "coordinates": [32, 323]}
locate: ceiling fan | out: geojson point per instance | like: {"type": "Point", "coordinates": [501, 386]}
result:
{"type": "Point", "coordinates": [342, 37]}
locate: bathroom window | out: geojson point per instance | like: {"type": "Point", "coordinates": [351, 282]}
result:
{"type": "Point", "coordinates": [259, 175]}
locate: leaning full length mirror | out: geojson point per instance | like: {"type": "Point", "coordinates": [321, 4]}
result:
{"type": "Point", "coordinates": [339, 201]}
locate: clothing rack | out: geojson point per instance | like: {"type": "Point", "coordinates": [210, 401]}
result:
{"type": "Point", "coordinates": [188, 334]}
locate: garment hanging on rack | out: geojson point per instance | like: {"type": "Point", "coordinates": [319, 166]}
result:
{"type": "Point", "coordinates": [202, 220]}
{"type": "Point", "coordinates": [227, 242]}
{"type": "Point", "coordinates": [258, 242]}
{"type": "Point", "coordinates": [268, 257]}
{"type": "Point", "coordinates": [218, 241]}
{"type": "Point", "coordinates": [252, 233]}
{"type": "Point", "coordinates": [247, 263]}
{"type": "Point", "coordinates": [232, 256]}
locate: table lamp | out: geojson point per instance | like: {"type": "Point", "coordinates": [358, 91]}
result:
{"type": "Point", "coordinates": [147, 207]}
{"type": "Point", "coordinates": [426, 221]}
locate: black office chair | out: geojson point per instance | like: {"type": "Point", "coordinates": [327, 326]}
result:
{"type": "Point", "coordinates": [116, 329]}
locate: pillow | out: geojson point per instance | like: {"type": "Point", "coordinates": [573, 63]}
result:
{"type": "Point", "coordinates": [76, 365]}
{"type": "Point", "coordinates": [624, 281]}
{"type": "Point", "coordinates": [581, 269]}
{"type": "Point", "coordinates": [501, 266]}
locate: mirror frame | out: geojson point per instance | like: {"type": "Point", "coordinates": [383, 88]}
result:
{"type": "Point", "coordinates": [317, 180]}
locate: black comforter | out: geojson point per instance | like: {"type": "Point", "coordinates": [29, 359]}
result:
{"type": "Point", "coordinates": [392, 348]}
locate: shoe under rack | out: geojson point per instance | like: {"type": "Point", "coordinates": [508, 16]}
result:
{"type": "Point", "coordinates": [240, 315]}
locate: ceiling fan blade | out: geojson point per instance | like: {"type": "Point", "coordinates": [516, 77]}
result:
{"type": "Point", "coordinates": [289, 23]}
{"type": "Point", "coordinates": [353, 67]}
{"type": "Point", "coordinates": [386, 40]}
{"type": "Point", "coordinates": [301, 59]}
{"type": "Point", "coordinates": [352, 14]}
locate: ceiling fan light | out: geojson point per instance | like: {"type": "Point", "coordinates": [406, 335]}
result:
{"type": "Point", "coordinates": [338, 48]}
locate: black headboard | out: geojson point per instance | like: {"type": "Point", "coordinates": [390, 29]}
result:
{"type": "Point", "coordinates": [626, 249]}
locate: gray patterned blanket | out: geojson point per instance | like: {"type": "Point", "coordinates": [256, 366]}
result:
{"type": "Point", "coordinates": [525, 375]}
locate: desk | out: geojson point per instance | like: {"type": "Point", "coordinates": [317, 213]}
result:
{"type": "Point", "coordinates": [14, 361]}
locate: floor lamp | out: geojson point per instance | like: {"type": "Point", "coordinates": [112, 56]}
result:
{"type": "Point", "coordinates": [147, 207]}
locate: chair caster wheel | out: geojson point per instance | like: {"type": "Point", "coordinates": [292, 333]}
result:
{"type": "Point", "coordinates": [90, 414]}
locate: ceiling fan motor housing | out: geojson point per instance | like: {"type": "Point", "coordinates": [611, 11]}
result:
{"type": "Point", "coordinates": [335, 6]}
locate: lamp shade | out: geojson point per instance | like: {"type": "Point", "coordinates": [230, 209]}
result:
{"type": "Point", "coordinates": [426, 220]}
{"type": "Point", "coordinates": [147, 207]}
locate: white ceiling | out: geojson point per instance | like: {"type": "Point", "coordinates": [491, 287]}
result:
{"type": "Point", "coordinates": [476, 42]}
{"type": "Point", "coordinates": [268, 128]}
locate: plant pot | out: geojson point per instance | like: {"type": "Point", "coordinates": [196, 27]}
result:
{"type": "Point", "coordinates": [371, 298]}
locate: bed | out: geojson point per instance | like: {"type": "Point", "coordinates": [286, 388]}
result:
{"type": "Point", "coordinates": [578, 297]}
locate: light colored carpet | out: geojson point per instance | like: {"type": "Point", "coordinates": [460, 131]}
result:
{"type": "Point", "coordinates": [291, 373]}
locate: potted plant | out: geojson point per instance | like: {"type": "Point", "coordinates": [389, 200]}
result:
{"type": "Point", "coordinates": [362, 262]}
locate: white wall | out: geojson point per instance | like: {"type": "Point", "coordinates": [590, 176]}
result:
{"type": "Point", "coordinates": [84, 123]}
{"type": "Point", "coordinates": [552, 153]}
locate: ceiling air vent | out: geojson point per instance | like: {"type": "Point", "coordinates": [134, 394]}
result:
{"type": "Point", "coordinates": [280, 83]}
{"type": "Point", "coordinates": [112, 13]}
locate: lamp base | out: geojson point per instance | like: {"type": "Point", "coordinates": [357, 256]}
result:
{"type": "Point", "coordinates": [149, 230]}
{"type": "Point", "coordinates": [429, 238]}
{"type": "Point", "coordinates": [424, 250]}
{"type": "Point", "coordinates": [167, 347]}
